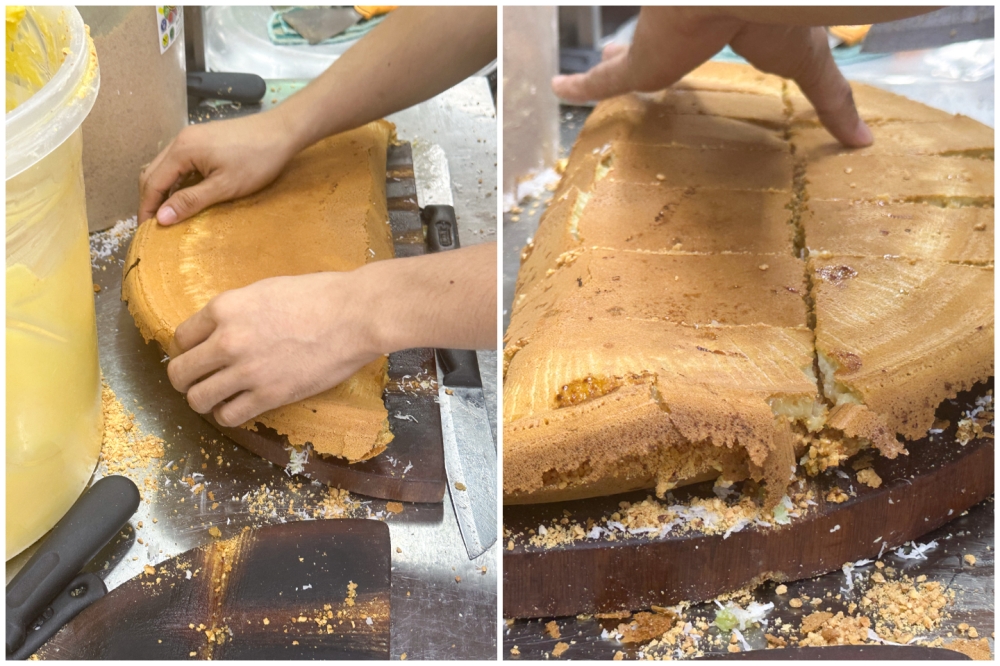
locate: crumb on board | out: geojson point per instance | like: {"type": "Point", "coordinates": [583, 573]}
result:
{"type": "Point", "coordinates": [868, 477]}
{"type": "Point", "coordinates": [970, 559]}
{"type": "Point", "coordinates": [646, 626]}
{"type": "Point", "coordinates": [394, 507]}
{"type": "Point", "coordinates": [459, 485]}
{"type": "Point", "coordinates": [552, 629]}
{"type": "Point", "coordinates": [559, 649]}
{"type": "Point", "coordinates": [352, 593]}
{"type": "Point", "coordinates": [781, 589]}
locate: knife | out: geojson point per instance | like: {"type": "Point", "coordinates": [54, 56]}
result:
{"type": "Point", "coordinates": [50, 591]}
{"type": "Point", "coordinates": [470, 453]}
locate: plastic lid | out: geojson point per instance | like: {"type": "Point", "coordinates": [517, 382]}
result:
{"type": "Point", "coordinates": [42, 123]}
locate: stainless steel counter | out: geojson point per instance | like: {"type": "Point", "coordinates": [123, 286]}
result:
{"type": "Point", "coordinates": [434, 616]}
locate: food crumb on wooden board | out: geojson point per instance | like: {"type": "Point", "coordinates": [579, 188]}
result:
{"type": "Point", "coordinates": [884, 605]}
{"type": "Point", "coordinates": [868, 477]}
{"type": "Point", "coordinates": [394, 507]}
{"type": "Point", "coordinates": [559, 649]}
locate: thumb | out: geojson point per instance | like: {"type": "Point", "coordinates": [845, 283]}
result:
{"type": "Point", "coordinates": [189, 201]}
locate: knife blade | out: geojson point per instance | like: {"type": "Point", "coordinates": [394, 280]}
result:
{"type": "Point", "coordinates": [470, 454]}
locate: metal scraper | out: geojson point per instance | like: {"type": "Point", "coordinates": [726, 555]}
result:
{"type": "Point", "coordinates": [321, 23]}
{"type": "Point", "coordinates": [470, 454]}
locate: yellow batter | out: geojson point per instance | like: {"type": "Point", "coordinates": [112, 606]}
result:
{"type": "Point", "coordinates": [54, 419]}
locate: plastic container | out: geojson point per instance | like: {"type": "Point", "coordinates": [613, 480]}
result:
{"type": "Point", "coordinates": [54, 414]}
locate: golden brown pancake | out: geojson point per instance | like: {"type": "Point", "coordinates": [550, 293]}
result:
{"type": "Point", "coordinates": [716, 281]}
{"type": "Point", "coordinates": [325, 212]}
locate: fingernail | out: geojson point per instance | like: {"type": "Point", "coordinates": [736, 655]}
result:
{"type": "Point", "coordinates": [166, 215]}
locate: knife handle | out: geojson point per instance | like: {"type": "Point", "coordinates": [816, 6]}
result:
{"type": "Point", "coordinates": [442, 228]}
{"type": "Point", "coordinates": [87, 527]}
{"type": "Point", "coordinates": [82, 591]}
{"type": "Point", "coordinates": [459, 367]}
{"type": "Point", "coordinates": [231, 86]}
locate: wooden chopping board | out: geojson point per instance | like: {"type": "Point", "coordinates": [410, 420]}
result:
{"type": "Point", "coordinates": [411, 469]}
{"type": "Point", "coordinates": [920, 492]}
{"type": "Point", "coordinates": [296, 575]}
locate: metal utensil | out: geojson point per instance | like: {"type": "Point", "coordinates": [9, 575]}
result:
{"type": "Point", "coordinates": [321, 23]}
{"type": "Point", "coordinates": [470, 453]}
{"type": "Point", "coordinates": [50, 591]}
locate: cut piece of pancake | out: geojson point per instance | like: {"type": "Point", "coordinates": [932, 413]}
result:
{"type": "Point", "coordinates": [911, 230]}
{"type": "Point", "coordinates": [325, 212]}
{"type": "Point", "coordinates": [900, 335]}
{"type": "Point", "coordinates": [930, 178]}
{"type": "Point", "coordinates": [765, 110]}
{"type": "Point", "coordinates": [732, 77]}
{"type": "Point", "coordinates": [876, 106]}
{"type": "Point", "coordinates": [711, 169]}
{"type": "Point", "coordinates": [601, 405]}
{"type": "Point", "coordinates": [955, 136]}
{"type": "Point", "coordinates": [651, 218]}
{"type": "Point", "coordinates": [690, 289]}
{"type": "Point", "coordinates": [664, 330]}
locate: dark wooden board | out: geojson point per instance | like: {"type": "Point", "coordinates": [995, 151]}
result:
{"type": "Point", "coordinates": [418, 446]}
{"type": "Point", "coordinates": [281, 572]}
{"type": "Point", "coordinates": [920, 492]}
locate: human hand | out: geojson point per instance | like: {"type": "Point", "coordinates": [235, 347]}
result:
{"type": "Point", "coordinates": [233, 158]}
{"type": "Point", "coordinates": [272, 343]}
{"type": "Point", "coordinates": [669, 42]}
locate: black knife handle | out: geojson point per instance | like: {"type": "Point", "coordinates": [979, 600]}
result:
{"type": "Point", "coordinates": [459, 367]}
{"type": "Point", "coordinates": [82, 591]}
{"type": "Point", "coordinates": [442, 228]}
{"type": "Point", "coordinates": [231, 86]}
{"type": "Point", "coordinates": [87, 527]}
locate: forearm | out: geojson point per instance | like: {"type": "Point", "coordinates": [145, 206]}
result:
{"type": "Point", "coordinates": [414, 54]}
{"type": "Point", "coordinates": [816, 16]}
{"type": "Point", "coordinates": [446, 300]}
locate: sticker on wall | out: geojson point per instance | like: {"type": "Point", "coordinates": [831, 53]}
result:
{"type": "Point", "coordinates": [169, 24]}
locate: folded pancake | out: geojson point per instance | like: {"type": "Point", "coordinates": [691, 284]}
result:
{"type": "Point", "coordinates": [325, 212]}
{"type": "Point", "coordinates": [717, 288]}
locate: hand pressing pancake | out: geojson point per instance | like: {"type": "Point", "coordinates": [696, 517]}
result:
{"type": "Point", "coordinates": [283, 339]}
{"type": "Point", "coordinates": [671, 41]}
{"type": "Point", "coordinates": [273, 342]}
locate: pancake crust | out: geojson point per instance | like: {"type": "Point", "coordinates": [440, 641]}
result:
{"type": "Point", "coordinates": [702, 296]}
{"type": "Point", "coordinates": [325, 212]}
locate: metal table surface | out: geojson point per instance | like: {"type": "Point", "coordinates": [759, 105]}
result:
{"type": "Point", "coordinates": [973, 533]}
{"type": "Point", "coordinates": [434, 616]}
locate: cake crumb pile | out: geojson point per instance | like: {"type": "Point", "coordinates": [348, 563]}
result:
{"type": "Point", "coordinates": [125, 449]}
